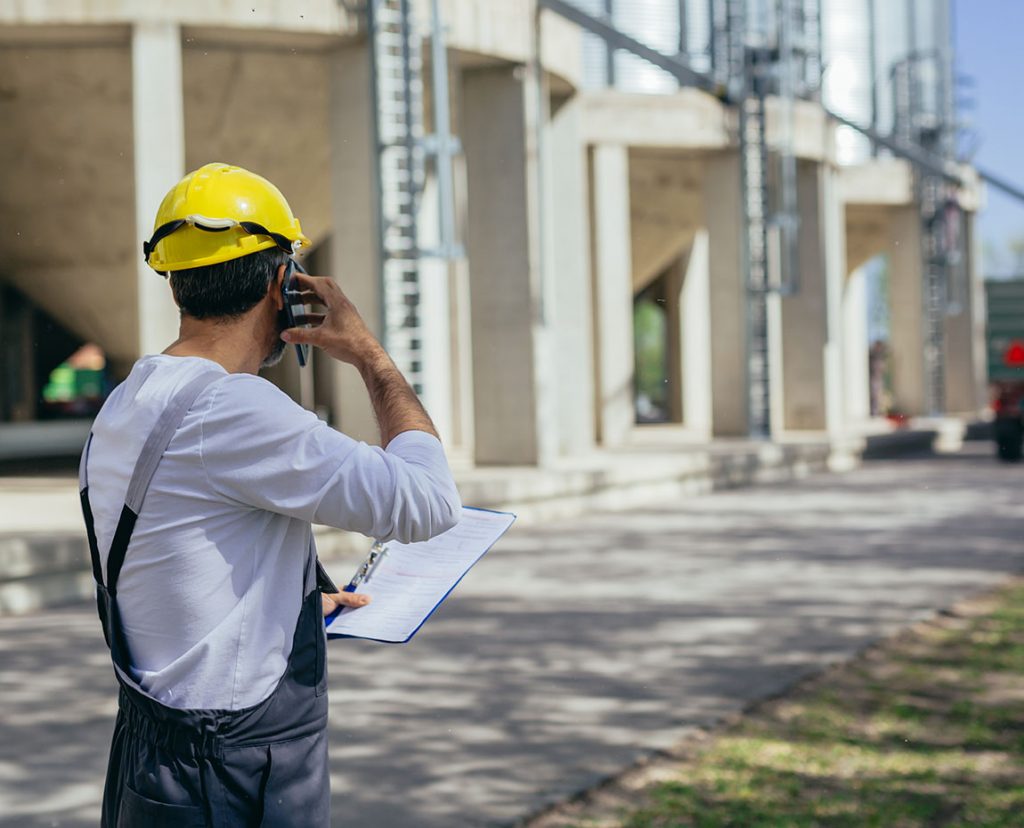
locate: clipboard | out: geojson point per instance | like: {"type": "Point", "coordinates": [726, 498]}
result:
{"type": "Point", "coordinates": [409, 581]}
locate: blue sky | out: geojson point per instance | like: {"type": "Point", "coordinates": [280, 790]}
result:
{"type": "Point", "coordinates": [990, 49]}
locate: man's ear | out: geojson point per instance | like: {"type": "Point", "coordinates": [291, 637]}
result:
{"type": "Point", "coordinates": [275, 288]}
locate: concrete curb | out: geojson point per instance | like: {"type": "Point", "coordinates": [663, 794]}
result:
{"type": "Point", "coordinates": [40, 569]}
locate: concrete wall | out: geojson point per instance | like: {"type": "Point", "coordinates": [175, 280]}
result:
{"type": "Point", "coordinates": [229, 116]}
{"type": "Point", "coordinates": [490, 30]}
{"type": "Point", "coordinates": [665, 209]}
{"type": "Point", "coordinates": [105, 163]}
{"type": "Point", "coordinates": [310, 17]}
{"type": "Point", "coordinates": [67, 205]}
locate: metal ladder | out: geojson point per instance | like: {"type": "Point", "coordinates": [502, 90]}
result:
{"type": "Point", "coordinates": [740, 71]}
{"type": "Point", "coordinates": [937, 276]}
{"type": "Point", "coordinates": [398, 91]}
{"type": "Point", "coordinates": [789, 67]}
{"type": "Point", "coordinates": [916, 127]}
{"type": "Point", "coordinates": [403, 151]}
{"type": "Point", "coordinates": [754, 181]}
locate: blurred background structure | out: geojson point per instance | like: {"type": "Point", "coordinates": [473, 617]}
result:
{"type": "Point", "coordinates": [580, 227]}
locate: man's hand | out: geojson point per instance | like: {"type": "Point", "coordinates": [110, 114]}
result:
{"type": "Point", "coordinates": [342, 333]}
{"type": "Point", "coordinates": [337, 600]}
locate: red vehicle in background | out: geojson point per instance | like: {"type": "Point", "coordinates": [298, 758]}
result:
{"type": "Point", "coordinates": [1006, 364]}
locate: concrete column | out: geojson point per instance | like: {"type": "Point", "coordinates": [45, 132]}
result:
{"type": "Point", "coordinates": [613, 293]}
{"type": "Point", "coordinates": [855, 345]}
{"type": "Point", "coordinates": [354, 250]}
{"type": "Point", "coordinates": [435, 318]}
{"type": "Point", "coordinates": [690, 338]}
{"type": "Point", "coordinates": [675, 373]}
{"type": "Point", "coordinates": [568, 250]}
{"type": "Point", "coordinates": [811, 382]}
{"type": "Point", "coordinates": [461, 451]}
{"type": "Point", "coordinates": [965, 357]}
{"type": "Point", "coordinates": [727, 295]}
{"type": "Point", "coordinates": [834, 229]}
{"type": "Point", "coordinates": [507, 326]}
{"type": "Point", "coordinates": [906, 301]}
{"type": "Point", "coordinates": [159, 150]}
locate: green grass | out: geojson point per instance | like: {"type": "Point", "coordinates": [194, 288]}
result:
{"type": "Point", "coordinates": [925, 730]}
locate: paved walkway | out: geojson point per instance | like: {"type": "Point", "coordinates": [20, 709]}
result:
{"type": "Point", "coordinates": [574, 649]}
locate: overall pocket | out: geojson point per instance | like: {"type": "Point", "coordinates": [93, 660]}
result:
{"type": "Point", "coordinates": [137, 811]}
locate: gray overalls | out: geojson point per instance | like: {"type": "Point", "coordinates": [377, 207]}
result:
{"type": "Point", "coordinates": [263, 765]}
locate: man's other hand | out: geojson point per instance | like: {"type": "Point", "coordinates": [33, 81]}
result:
{"type": "Point", "coordinates": [336, 600]}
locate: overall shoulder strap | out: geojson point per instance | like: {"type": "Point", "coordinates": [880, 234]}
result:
{"type": "Point", "coordinates": [90, 527]}
{"type": "Point", "coordinates": [145, 467]}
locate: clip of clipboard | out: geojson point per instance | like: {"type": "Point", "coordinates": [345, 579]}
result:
{"type": "Point", "coordinates": [363, 573]}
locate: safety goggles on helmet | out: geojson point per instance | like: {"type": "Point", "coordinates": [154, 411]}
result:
{"type": "Point", "coordinates": [217, 225]}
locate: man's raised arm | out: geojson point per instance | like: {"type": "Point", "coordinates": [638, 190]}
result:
{"type": "Point", "coordinates": [344, 336]}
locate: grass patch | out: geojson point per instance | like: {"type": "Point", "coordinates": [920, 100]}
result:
{"type": "Point", "coordinates": [925, 730]}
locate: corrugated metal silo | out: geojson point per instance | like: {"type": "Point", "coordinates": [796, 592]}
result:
{"type": "Point", "coordinates": [847, 82]}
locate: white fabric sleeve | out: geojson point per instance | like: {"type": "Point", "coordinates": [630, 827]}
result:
{"type": "Point", "coordinates": [261, 449]}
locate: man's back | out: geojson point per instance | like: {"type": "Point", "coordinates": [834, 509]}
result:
{"type": "Point", "coordinates": [212, 582]}
{"type": "Point", "coordinates": [205, 569]}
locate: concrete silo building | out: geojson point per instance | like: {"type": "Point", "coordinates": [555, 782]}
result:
{"type": "Point", "coordinates": [507, 193]}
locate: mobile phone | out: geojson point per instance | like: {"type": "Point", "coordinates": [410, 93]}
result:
{"type": "Point", "coordinates": [294, 306]}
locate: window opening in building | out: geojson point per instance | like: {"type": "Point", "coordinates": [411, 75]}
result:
{"type": "Point", "coordinates": [650, 348]}
{"type": "Point", "coordinates": [46, 371]}
{"type": "Point", "coordinates": [879, 339]}
{"type": "Point", "coordinates": [78, 386]}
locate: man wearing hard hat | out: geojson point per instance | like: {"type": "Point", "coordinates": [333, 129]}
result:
{"type": "Point", "coordinates": [200, 482]}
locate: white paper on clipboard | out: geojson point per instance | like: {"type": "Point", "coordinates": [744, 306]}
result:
{"type": "Point", "coordinates": [412, 579]}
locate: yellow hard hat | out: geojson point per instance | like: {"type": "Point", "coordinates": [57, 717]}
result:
{"type": "Point", "coordinates": [219, 213]}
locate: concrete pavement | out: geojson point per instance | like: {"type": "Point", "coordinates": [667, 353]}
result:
{"type": "Point", "coordinates": [573, 649]}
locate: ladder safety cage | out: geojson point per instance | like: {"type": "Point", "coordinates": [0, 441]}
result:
{"type": "Point", "coordinates": [926, 120]}
{"type": "Point", "coordinates": [404, 153]}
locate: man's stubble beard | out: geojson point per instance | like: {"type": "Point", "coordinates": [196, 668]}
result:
{"type": "Point", "coordinates": [277, 351]}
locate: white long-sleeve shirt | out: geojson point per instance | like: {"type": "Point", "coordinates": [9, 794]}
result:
{"type": "Point", "coordinates": [212, 582]}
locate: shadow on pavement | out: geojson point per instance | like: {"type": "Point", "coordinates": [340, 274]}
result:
{"type": "Point", "coordinates": [573, 649]}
